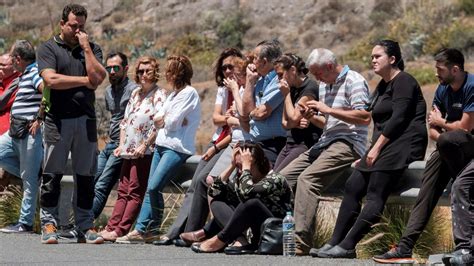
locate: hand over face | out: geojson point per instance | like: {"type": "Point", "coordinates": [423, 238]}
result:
{"type": "Point", "coordinates": [83, 39]}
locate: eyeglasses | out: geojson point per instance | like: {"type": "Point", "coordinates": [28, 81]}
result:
{"type": "Point", "coordinates": [110, 68]}
{"type": "Point", "coordinates": [227, 66]}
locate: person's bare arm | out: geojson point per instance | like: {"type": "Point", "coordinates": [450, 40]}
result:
{"type": "Point", "coordinates": [357, 117]}
{"type": "Point", "coordinates": [217, 117]}
{"type": "Point", "coordinates": [57, 81]}
{"type": "Point", "coordinates": [95, 71]}
{"type": "Point", "coordinates": [248, 101]}
{"type": "Point", "coordinates": [435, 119]}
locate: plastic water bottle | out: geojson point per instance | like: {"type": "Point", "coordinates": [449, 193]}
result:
{"type": "Point", "coordinates": [289, 245]}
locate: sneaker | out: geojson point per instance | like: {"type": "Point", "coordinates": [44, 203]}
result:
{"type": "Point", "coordinates": [464, 259]}
{"type": "Point", "coordinates": [76, 235]}
{"type": "Point", "coordinates": [92, 237]}
{"type": "Point", "coordinates": [73, 235]}
{"type": "Point", "coordinates": [458, 257]}
{"type": "Point", "coordinates": [133, 237]}
{"type": "Point", "coordinates": [395, 255]}
{"type": "Point", "coordinates": [49, 235]}
{"type": "Point", "coordinates": [17, 228]}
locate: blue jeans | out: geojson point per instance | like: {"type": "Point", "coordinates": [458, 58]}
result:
{"type": "Point", "coordinates": [108, 172]}
{"type": "Point", "coordinates": [23, 157]}
{"type": "Point", "coordinates": [165, 162]}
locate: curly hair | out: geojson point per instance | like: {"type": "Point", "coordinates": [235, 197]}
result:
{"type": "Point", "coordinates": [147, 60]}
{"type": "Point", "coordinates": [179, 71]}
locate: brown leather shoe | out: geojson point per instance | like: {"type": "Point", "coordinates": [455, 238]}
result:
{"type": "Point", "coordinates": [192, 237]}
{"type": "Point", "coordinates": [302, 249]}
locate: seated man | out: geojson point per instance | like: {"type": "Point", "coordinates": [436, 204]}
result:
{"type": "Point", "coordinates": [21, 150]}
{"type": "Point", "coordinates": [117, 95]}
{"type": "Point", "coordinates": [343, 95]}
{"type": "Point", "coordinates": [262, 101]}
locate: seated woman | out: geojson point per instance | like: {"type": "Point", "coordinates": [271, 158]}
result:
{"type": "Point", "coordinates": [177, 123]}
{"type": "Point", "coordinates": [196, 195]}
{"type": "Point", "coordinates": [233, 84]}
{"type": "Point", "coordinates": [297, 88]}
{"type": "Point", "coordinates": [255, 195]}
{"type": "Point", "coordinates": [399, 138]}
{"type": "Point", "coordinates": [137, 135]}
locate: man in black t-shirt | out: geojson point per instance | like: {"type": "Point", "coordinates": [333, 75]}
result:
{"type": "Point", "coordinates": [71, 68]}
{"type": "Point", "coordinates": [450, 121]}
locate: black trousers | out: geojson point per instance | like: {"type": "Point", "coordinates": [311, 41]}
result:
{"type": "Point", "coordinates": [195, 199]}
{"type": "Point", "coordinates": [235, 220]}
{"type": "Point", "coordinates": [438, 172]}
{"type": "Point", "coordinates": [352, 223]}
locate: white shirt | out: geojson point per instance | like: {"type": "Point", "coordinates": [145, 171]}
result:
{"type": "Point", "coordinates": [178, 106]}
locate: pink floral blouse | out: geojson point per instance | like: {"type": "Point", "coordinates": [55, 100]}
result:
{"type": "Point", "coordinates": [138, 120]}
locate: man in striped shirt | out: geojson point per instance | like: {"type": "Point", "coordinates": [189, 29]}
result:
{"type": "Point", "coordinates": [343, 94]}
{"type": "Point", "coordinates": [21, 153]}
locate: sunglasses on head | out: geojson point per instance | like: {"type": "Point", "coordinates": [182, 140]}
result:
{"type": "Point", "coordinates": [115, 68]}
{"type": "Point", "coordinates": [227, 66]}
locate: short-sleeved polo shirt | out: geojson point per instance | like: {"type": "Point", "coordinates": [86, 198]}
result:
{"type": "Point", "coordinates": [74, 102]}
{"type": "Point", "coordinates": [267, 91]}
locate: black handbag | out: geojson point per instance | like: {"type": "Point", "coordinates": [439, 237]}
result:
{"type": "Point", "coordinates": [19, 127]}
{"type": "Point", "coordinates": [271, 239]}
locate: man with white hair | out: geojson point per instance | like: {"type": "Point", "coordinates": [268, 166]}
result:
{"type": "Point", "coordinates": [343, 97]}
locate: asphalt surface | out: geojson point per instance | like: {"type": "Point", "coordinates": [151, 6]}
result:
{"type": "Point", "coordinates": [26, 249]}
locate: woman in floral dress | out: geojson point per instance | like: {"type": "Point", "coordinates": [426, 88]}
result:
{"type": "Point", "coordinates": [137, 135]}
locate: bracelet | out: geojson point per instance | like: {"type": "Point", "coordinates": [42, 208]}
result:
{"type": "Point", "coordinates": [215, 148]}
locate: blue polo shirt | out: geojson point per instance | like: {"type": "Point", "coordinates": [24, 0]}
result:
{"type": "Point", "coordinates": [452, 104]}
{"type": "Point", "coordinates": [267, 91]}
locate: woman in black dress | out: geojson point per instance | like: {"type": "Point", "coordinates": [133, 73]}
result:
{"type": "Point", "coordinates": [399, 138]}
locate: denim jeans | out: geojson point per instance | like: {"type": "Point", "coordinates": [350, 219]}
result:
{"type": "Point", "coordinates": [108, 172]}
{"type": "Point", "coordinates": [165, 162]}
{"type": "Point", "coordinates": [23, 157]}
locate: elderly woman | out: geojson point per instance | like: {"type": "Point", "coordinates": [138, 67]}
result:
{"type": "Point", "coordinates": [177, 122]}
{"type": "Point", "coordinates": [255, 195]}
{"type": "Point", "coordinates": [297, 88]}
{"type": "Point", "coordinates": [196, 195]}
{"type": "Point", "coordinates": [399, 138]}
{"type": "Point", "coordinates": [137, 135]}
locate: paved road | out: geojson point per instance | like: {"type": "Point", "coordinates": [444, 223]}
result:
{"type": "Point", "coordinates": [27, 249]}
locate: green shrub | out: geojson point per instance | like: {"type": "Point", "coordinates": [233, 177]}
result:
{"type": "Point", "coordinates": [200, 49]}
{"type": "Point", "coordinates": [467, 6]}
{"type": "Point", "coordinates": [435, 238]}
{"type": "Point", "coordinates": [231, 30]}
{"type": "Point", "coordinates": [424, 75]}
{"type": "Point", "coordinates": [10, 208]}
{"type": "Point", "coordinates": [459, 34]}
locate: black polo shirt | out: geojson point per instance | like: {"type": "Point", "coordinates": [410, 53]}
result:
{"type": "Point", "coordinates": [74, 102]}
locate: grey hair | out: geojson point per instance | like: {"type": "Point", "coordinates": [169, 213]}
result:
{"type": "Point", "coordinates": [270, 50]}
{"type": "Point", "coordinates": [25, 50]}
{"type": "Point", "coordinates": [321, 56]}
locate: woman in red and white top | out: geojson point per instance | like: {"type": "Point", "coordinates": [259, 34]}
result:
{"type": "Point", "coordinates": [137, 137]}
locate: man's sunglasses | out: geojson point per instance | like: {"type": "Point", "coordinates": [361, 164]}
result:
{"type": "Point", "coordinates": [115, 68]}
